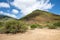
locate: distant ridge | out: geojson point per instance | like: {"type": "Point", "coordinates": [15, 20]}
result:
{"type": "Point", "coordinates": [4, 18]}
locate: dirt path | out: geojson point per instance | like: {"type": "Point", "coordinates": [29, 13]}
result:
{"type": "Point", "coordinates": [37, 34]}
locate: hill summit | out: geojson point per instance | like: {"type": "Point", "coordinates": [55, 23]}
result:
{"type": "Point", "coordinates": [41, 16]}
{"type": "Point", "coordinates": [36, 19]}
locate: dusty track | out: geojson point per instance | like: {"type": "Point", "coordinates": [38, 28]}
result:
{"type": "Point", "coordinates": [37, 34]}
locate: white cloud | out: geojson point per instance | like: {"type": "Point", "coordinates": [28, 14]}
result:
{"type": "Point", "coordinates": [1, 12]}
{"type": "Point", "coordinates": [8, 14]}
{"type": "Point", "coordinates": [15, 11]}
{"type": "Point", "coordinates": [27, 6]}
{"type": "Point", "coordinates": [6, 5]}
{"type": "Point", "coordinates": [11, 15]}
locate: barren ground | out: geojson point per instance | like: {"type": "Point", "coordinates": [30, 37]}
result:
{"type": "Point", "coordinates": [37, 34]}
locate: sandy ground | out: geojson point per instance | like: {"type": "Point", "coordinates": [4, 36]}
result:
{"type": "Point", "coordinates": [37, 34]}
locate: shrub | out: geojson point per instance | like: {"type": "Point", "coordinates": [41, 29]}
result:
{"type": "Point", "coordinates": [51, 26]}
{"type": "Point", "coordinates": [13, 26]}
{"type": "Point", "coordinates": [57, 24]}
{"type": "Point", "coordinates": [40, 26]}
{"type": "Point", "coordinates": [33, 26]}
{"type": "Point", "coordinates": [2, 29]}
{"type": "Point", "coordinates": [1, 23]}
{"type": "Point", "coordinates": [23, 28]}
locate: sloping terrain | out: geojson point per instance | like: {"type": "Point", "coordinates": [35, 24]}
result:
{"type": "Point", "coordinates": [41, 16]}
{"type": "Point", "coordinates": [36, 18]}
{"type": "Point", "coordinates": [5, 18]}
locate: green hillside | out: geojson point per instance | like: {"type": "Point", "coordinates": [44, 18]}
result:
{"type": "Point", "coordinates": [41, 16]}
{"type": "Point", "coordinates": [5, 18]}
{"type": "Point", "coordinates": [36, 19]}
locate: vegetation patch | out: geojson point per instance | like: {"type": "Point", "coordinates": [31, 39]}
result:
{"type": "Point", "coordinates": [33, 26]}
{"type": "Point", "coordinates": [57, 24]}
{"type": "Point", "coordinates": [13, 26]}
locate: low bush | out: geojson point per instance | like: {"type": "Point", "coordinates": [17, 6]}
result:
{"type": "Point", "coordinates": [23, 28]}
{"type": "Point", "coordinates": [3, 29]}
{"type": "Point", "coordinates": [33, 26]}
{"type": "Point", "coordinates": [57, 24]}
{"type": "Point", "coordinates": [1, 23]}
{"type": "Point", "coordinates": [13, 26]}
{"type": "Point", "coordinates": [51, 26]}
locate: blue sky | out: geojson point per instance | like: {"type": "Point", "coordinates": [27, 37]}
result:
{"type": "Point", "coordinates": [20, 8]}
{"type": "Point", "coordinates": [56, 8]}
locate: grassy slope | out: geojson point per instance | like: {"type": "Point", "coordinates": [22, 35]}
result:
{"type": "Point", "coordinates": [37, 19]}
{"type": "Point", "coordinates": [36, 16]}
{"type": "Point", "coordinates": [5, 18]}
{"type": "Point", "coordinates": [39, 16]}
